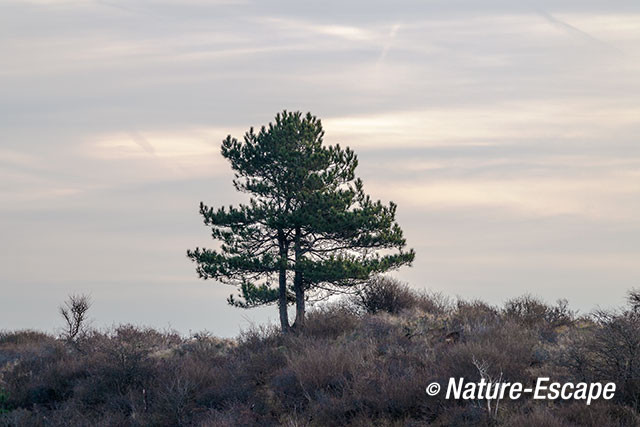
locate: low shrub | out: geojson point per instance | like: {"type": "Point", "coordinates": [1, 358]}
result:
{"type": "Point", "coordinates": [384, 294]}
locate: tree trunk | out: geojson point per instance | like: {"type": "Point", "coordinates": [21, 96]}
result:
{"type": "Point", "coordinates": [282, 288]}
{"type": "Point", "coordinates": [298, 284]}
{"type": "Point", "coordinates": [300, 306]}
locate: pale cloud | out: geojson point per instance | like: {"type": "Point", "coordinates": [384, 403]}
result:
{"type": "Point", "coordinates": [303, 27]}
{"type": "Point", "coordinates": [55, 2]}
{"type": "Point", "coordinates": [621, 30]}
{"type": "Point", "coordinates": [490, 125]}
{"type": "Point", "coordinates": [598, 198]}
{"type": "Point", "coordinates": [16, 157]}
{"type": "Point", "coordinates": [563, 164]}
{"type": "Point", "coordinates": [182, 154]}
{"type": "Point", "coordinates": [40, 194]}
{"type": "Point", "coordinates": [19, 186]}
{"type": "Point", "coordinates": [96, 52]}
{"type": "Point", "coordinates": [191, 143]}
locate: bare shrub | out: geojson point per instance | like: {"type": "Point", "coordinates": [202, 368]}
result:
{"type": "Point", "coordinates": [507, 348]}
{"type": "Point", "coordinates": [633, 299]}
{"type": "Point", "coordinates": [43, 375]}
{"type": "Point", "coordinates": [572, 355]}
{"type": "Point", "coordinates": [599, 413]}
{"type": "Point", "coordinates": [384, 294]}
{"type": "Point", "coordinates": [534, 313]}
{"type": "Point", "coordinates": [536, 418]}
{"type": "Point", "coordinates": [393, 387]}
{"type": "Point", "coordinates": [179, 389]}
{"type": "Point", "coordinates": [21, 338]}
{"type": "Point", "coordinates": [615, 347]}
{"type": "Point", "coordinates": [560, 314]}
{"type": "Point", "coordinates": [74, 312]}
{"type": "Point", "coordinates": [326, 367]}
{"type": "Point", "coordinates": [235, 415]}
{"type": "Point", "coordinates": [527, 309]}
{"type": "Point", "coordinates": [204, 346]}
{"type": "Point", "coordinates": [330, 321]}
{"type": "Point", "coordinates": [433, 302]}
{"type": "Point", "coordinates": [258, 337]}
{"type": "Point", "coordinates": [120, 366]}
{"type": "Point", "coordinates": [474, 317]}
{"type": "Point", "coordinates": [21, 344]}
{"type": "Point", "coordinates": [468, 414]}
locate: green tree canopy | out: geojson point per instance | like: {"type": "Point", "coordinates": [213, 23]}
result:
{"type": "Point", "coordinates": [308, 230]}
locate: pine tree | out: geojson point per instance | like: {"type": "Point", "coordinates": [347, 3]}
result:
{"type": "Point", "coordinates": [308, 221]}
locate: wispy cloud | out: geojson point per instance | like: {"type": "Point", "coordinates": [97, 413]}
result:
{"type": "Point", "coordinates": [304, 27]}
{"type": "Point", "coordinates": [560, 119]}
{"type": "Point", "coordinates": [603, 198]}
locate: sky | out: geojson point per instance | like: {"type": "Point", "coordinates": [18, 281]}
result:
{"type": "Point", "coordinates": [506, 132]}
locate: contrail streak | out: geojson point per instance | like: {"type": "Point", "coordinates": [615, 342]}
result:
{"type": "Point", "coordinates": [575, 30]}
{"type": "Point", "coordinates": [387, 45]}
{"type": "Point", "coordinates": [142, 142]}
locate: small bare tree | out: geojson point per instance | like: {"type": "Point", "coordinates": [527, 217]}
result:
{"type": "Point", "coordinates": [74, 312]}
{"type": "Point", "coordinates": [483, 369]}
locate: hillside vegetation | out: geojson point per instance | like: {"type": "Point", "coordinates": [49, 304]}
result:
{"type": "Point", "coordinates": [363, 361]}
